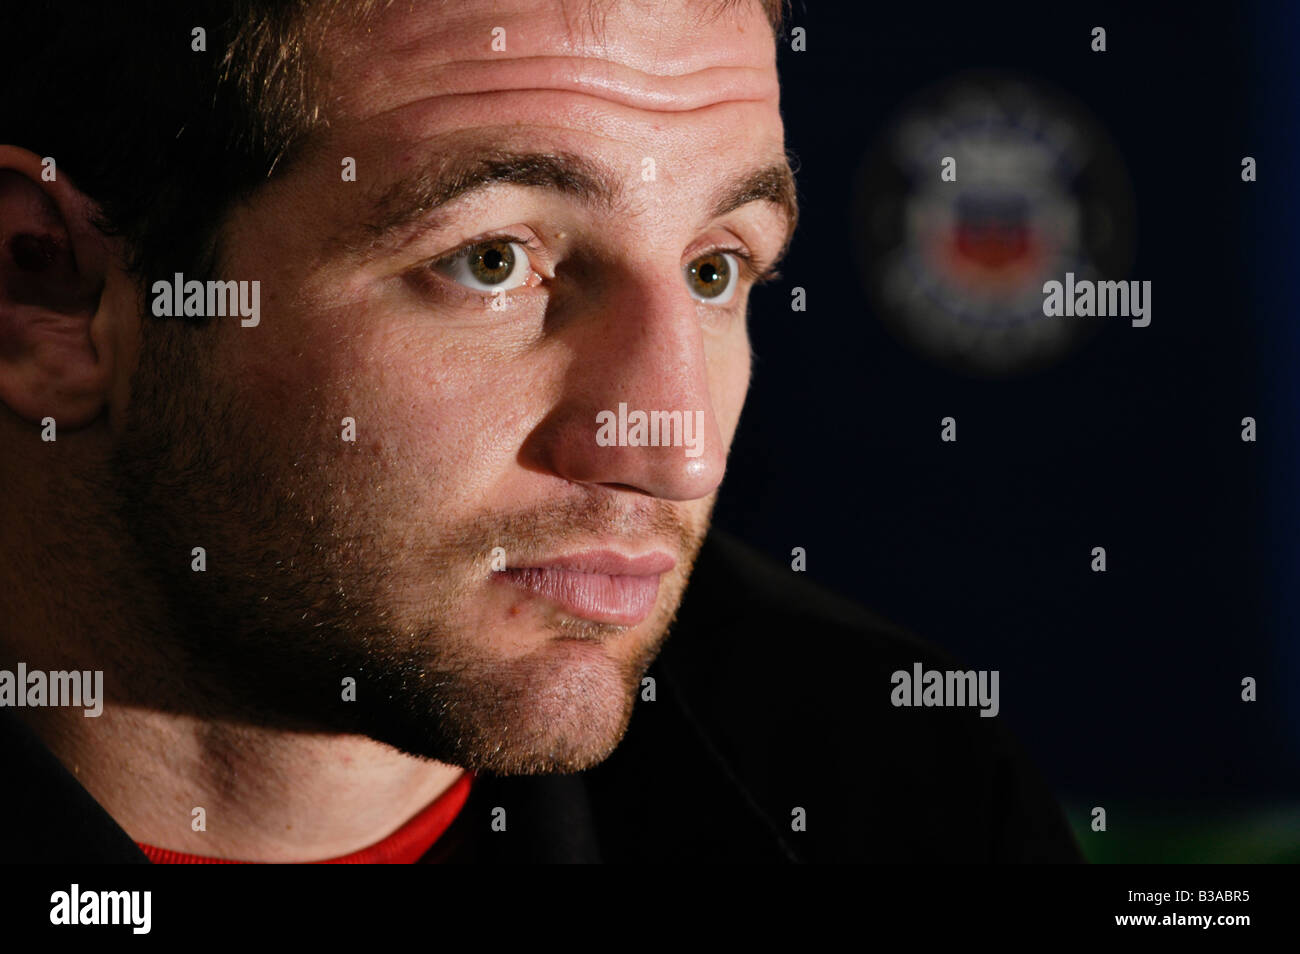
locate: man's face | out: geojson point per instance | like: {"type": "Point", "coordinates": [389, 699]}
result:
{"type": "Point", "coordinates": [614, 276]}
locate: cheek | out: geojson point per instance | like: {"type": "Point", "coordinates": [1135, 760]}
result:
{"type": "Point", "coordinates": [448, 420]}
{"type": "Point", "coordinates": [729, 371]}
{"type": "Point", "coordinates": [430, 413]}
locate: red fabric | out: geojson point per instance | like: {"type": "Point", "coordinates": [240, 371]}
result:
{"type": "Point", "coordinates": [405, 846]}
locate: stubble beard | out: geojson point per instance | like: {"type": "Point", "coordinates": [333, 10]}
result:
{"type": "Point", "coordinates": [303, 590]}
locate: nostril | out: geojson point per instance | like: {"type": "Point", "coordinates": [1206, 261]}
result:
{"type": "Point", "coordinates": [631, 488]}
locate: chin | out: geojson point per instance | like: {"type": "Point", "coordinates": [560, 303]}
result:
{"type": "Point", "coordinates": [562, 708]}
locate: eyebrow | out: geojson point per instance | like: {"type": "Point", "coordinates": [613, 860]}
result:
{"type": "Point", "coordinates": [416, 199]}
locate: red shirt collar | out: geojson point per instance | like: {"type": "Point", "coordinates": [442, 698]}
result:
{"type": "Point", "coordinates": [405, 846]}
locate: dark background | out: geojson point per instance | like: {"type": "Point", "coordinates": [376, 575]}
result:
{"type": "Point", "coordinates": [1125, 686]}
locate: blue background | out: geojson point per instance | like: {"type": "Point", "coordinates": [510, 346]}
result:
{"type": "Point", "coordinates": [1125, 685]}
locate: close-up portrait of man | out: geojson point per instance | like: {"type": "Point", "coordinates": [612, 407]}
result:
{"type": "Point", "coordinates": [369, 373]}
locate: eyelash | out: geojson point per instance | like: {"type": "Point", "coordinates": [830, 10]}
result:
{"type": "Point", "coordinates": [530, 244]}
{"type": "Point", "coordinates": [752, 271]}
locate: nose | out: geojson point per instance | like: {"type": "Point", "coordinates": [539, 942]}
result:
{"type": "Point", "coordinates": [636, 409]}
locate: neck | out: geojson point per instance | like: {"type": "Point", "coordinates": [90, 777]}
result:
{"type": "Point", "coordinates": [265, 794]}
{"type": "Point", "coordinates": [167, 741]}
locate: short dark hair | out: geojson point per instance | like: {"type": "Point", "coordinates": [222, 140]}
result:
{"type": "Point", "coordinates": [163, 140]}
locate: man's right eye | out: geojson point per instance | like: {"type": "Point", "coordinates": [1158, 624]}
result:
{"type": "Point", "coordinates": [497, 264]}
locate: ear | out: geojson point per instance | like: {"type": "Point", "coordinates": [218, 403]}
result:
{"type": "Point", "coordinates": [52, 276]}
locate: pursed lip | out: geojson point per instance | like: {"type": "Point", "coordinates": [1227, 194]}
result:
{"type": "Point", "coordinates": [600, 585]}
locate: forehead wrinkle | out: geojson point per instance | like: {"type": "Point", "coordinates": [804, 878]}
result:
{"type": "Point", "coordinates": [678, 93]}
{"type": "Point", "coordinates": [663, 57]}
{"type": "Point", "coordinates": [622, 126]}
{"type": "Point", "coordinates": [657, 37]}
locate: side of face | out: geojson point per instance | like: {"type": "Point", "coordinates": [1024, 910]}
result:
{"type": "Point", "coordinates": [474, 413]}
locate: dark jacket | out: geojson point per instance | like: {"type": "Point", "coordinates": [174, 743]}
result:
{"type": "Point", "coordinates": [771, 697]}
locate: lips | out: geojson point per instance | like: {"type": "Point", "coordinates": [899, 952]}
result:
{"type": "Point", "coordinates": [599, 585]}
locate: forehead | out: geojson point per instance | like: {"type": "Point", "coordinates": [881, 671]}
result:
{"type": "Point", "coordinates": [620, 70]}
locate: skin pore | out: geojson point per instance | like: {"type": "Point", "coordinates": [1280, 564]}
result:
{"type": "Point", "coordinates": [475, 427]}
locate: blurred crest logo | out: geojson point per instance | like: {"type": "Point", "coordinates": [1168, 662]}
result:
{"type": "Point", "coordinates": [980, 191]}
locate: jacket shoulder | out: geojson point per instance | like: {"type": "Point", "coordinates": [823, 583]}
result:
{"type": "Point", "coordinates": [787, 687]}
{"type": "Point", "coordinates": [50, 817]}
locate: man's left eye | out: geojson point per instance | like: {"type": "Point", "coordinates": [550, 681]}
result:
{"type": "Point", "coordinates": [497, 264]}
{"type": "Point", "coordinates": [713, 277]}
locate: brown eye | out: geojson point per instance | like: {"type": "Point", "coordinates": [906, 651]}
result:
{"type": "Point", "coordinates": [488, 266]}
{"type": "Point", "coordinates": [712, 277]}
{"type": "Point", "coordinates": [492, 263]}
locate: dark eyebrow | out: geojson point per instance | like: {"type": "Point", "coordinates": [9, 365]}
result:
{"type": "Point", "coordinates": [774, 184]}
{"type": "Point", "coordinates": [452, 176]}
{"type": "Point", "coordinates": [414, 198]}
